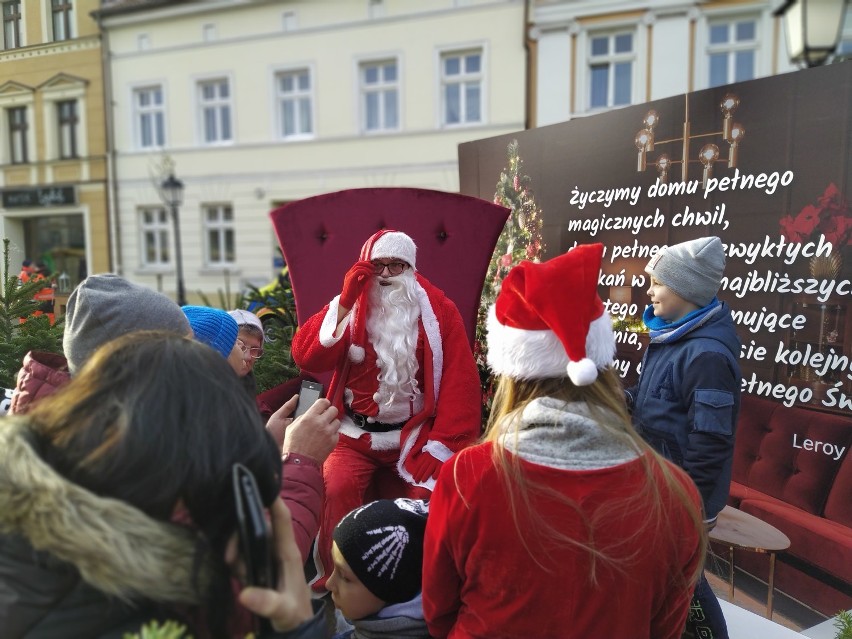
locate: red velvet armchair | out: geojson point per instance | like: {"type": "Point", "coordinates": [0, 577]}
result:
{"type": "Point", "coordinates": [321, 238]}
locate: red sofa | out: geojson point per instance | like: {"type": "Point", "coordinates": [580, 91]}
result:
{"type": "Point", "coordinates": [783, 477]}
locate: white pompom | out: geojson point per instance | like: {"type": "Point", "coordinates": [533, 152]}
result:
{"type": "Point", "coordinates": [582, 373]}
{"type": "Point", "coordinates": [356, 353]}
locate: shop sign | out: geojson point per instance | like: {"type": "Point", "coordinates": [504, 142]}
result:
{"type": "Point", "coordinates": [41, 196]}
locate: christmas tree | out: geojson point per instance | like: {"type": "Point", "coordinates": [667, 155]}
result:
{"type": "Point", "coordinates": [520, 240]}
{"type": "Point", "coordinates": [20, 332]}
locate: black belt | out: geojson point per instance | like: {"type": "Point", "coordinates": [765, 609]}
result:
{"type": "Point", "coordinates": [372, 427]}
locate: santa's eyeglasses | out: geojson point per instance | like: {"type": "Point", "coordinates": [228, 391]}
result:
{"type": "Point", "coordinates": [394, 268]}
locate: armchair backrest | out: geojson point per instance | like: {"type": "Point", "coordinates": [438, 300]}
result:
{"type": "Point", "coordinates": [321, 237]}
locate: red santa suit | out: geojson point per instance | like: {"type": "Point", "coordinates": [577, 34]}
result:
{"type": "Point", "coordinates": [442, 418]}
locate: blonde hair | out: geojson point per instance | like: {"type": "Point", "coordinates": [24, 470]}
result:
{"type": "Point", "coordinates": [605, 401]}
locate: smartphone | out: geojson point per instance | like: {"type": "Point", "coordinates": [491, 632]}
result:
{"type": "Point", "coordinates": [255, 532]}
{"type": "Point", "coordinates": [308, 394]}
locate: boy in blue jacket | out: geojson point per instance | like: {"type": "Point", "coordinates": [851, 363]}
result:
{"type": "Point", "coordinates": [688, 396]}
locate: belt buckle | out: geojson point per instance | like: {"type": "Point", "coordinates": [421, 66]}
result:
{"type": "Point", "coordinates": [358, 419]}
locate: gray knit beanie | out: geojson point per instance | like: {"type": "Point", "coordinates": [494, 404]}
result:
{"type": "Point", "coordinates": [691, 269]}
{"type": "Point", "coordinates": [104, 307]}
{"type": "Point", "coordinates": [383, 544]}
{"type": "Point", "coordinates": [213, 326]}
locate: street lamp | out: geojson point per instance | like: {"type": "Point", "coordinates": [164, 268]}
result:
{"type": "Point", "coordinates": [813, 29]}
{"type": "Point", "coordinates": [171, 191]}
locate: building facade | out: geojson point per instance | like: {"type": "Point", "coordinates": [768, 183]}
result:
{"type": "Point", "coordinates": [255, 104]}
{"type": "Point", "coordinates": [589, 56]}
{"type": "Point", "coordinates": [53, 150]}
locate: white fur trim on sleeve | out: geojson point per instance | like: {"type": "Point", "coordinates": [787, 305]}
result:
{"type": "Point", "coordinates": [433, 334]}
{"type": "Point", "coordinates": [437, 450]}
{"type": "Point", "coordinates": [400, 465]}
{"type": "Point", "coordinates": [329, 324]}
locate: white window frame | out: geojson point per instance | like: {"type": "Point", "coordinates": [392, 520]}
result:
{"type": "Point", "coordinates": [296, 95]}
{"type": "Point", "coordinates": [68, 137]}
{"type": "Point", "coordinates": [160, 229]}
{"type": "Point", "coordinates": [732, 47]}
{"type": "Point", "coordinates": [764, 53]}
{"type": "Point", "coordinates": [463, 79]}
{"type": "Point", "coordinates": [19, 24]}
{"type": "Point", "coordinates": [150, 111]}
{"type": "Point", "coordinates": [27, 149]}
{"type": "Point", "coordinates": [17, 95]}
{"type": "Point", "coordinates": [380, 87]}
{"type": "Point", "coordinates": [611, 59]}
{"type": "Point", "coordinates": [218, 104]}
{"type": "Point", "coordinates": [69, 23]}
{"type": "Point", "coordinates": [63, 89]}
{"type": "Point", "coordinates": [844, 47]}
{"type": "Point", "coordinates": [376, 9]}
{"type": "Point", "coordinates": [289, 21]}
{"type": "Point", "coordinates": [222, 227]}
{"type": "Point", "coordinates": [582, 62]}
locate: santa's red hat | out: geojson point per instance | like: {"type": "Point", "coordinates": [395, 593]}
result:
{"type": "Point", "coordinates": [548, 320]}
{"type": "Point", "coordinates": [386, 244]}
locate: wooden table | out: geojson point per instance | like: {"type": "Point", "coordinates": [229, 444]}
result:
{"type": "Point", "coordinates": [737, 529]}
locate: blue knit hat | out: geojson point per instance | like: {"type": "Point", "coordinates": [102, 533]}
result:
{"type": "Point", "coordinates": [212, 326]}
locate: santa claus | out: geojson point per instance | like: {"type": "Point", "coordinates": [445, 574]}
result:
{"type": "Point", "coordinates": [404, 380]}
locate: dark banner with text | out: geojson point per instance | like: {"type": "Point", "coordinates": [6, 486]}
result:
{"type": "Point", "coordinates": [764, 165]}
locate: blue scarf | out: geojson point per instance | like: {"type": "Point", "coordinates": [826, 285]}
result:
{"type": "Point", "coordinates": [662, 331]}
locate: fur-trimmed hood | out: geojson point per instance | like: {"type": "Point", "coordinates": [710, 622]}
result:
{"type": "Point", "coordinates": [117, 549]}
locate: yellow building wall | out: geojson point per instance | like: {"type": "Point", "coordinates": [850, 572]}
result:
{"type": "Point", "coordinates": [35, 64]}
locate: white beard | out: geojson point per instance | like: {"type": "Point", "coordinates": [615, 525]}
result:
{"type": "Point", "coordinates": [392, 328]}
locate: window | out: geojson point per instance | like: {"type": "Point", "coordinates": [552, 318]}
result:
{"type": "Point", "coordinates": [380, 96]}
{"type": "Point", "coordinates": [376, 8]}
{"type": "Point", "coordinates": [461, 87]}
{"type": "Point", "coordinates": [294, 103]}
{"type": "Point", "coordinates": [215, 100]}
{"type": "Point", "coordinates": [67, 117]}
{"type": "Point", "coordinates": [219, 229]}
{"type": "Point", "coordinates": [732, 51]}
{"type": "Point", "coordinates": [289, 21]}
{"type": "Point", "coordinates": [63, 16]}
{"type": "Point", "coordinates": [156, 237]}
{"type": "Point", "coordinates": [149, 117]}
{"type": "Point", "coordinates": [143, 42]}
{"type": "Point", "coordinates": [208, 32]}
{"type": "Point", "coordinates": [844, 48]}
{"type": "Point", "coordinates": [12, 24]}
{"type": "Point", "coordinates": [610, 70]}
{"type": "Point", "coordinates": [18, 135]}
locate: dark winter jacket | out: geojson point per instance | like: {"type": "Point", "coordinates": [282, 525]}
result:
{"type": "Point", "coordinates": [74, 564]}
{"type": "Point", "coordinates": [42, 374]}
{"type": "Point", "coordinates": [687, 401]}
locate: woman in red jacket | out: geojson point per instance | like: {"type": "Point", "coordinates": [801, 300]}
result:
{"type": "Point", "coordinates": [563, 523]}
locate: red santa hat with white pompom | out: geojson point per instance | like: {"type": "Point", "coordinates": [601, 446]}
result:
{"type": "Point", "coordinates": [548, 320]}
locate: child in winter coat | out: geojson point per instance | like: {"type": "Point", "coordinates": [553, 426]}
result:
{"type": "Point", "coordinates": [688, 396]}
{"type": "Point", "coordinates": [378, 568]}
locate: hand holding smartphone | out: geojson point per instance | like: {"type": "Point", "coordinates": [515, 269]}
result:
{"type": "Point", "coordinates": [308, 394]}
